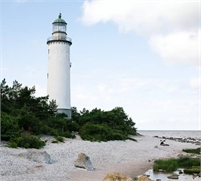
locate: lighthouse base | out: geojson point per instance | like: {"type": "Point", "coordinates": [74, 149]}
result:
{"type": "Point", "coordinates": [65, 111]}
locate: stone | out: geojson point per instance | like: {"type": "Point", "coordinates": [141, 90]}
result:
{"type": "Point", "coordinates": [180, 171]}
{"type": "Point", "coordinates": [39, 156]}
{"type": "Point", "coordinates": [83, 161]}
{"type": "Point", "coordinates": [117, 176]}
{"type": "Point", "coordinates": [173, 177]}
{"type": "Point", "coordinates": [144, 178]}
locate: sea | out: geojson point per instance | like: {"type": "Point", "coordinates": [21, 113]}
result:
{"type": "Point", "coordinates": [172, 133]}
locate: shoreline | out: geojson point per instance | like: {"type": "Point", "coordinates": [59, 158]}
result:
{"type": "Point", "coordinates": [129, 157]}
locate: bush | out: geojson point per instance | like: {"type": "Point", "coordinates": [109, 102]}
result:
{"type": "Point", "coordinates": [60, 139]}
{"type": "Point", "coordinates": [72, 125]}
{"type": "Point", "coordinates": [54, 132]}
{"type": "Point", "coordinates": [9, 127]}
{"type": "Point", "coordinates": [67, 134]}
{"type": "Point", "coordinates": [12, 144]}
{"type": "Point", "coordinates": [28, 141]}
{"type": "Point", "coordinates": [97, 132]}
{"type": "Point", "coordinates": [94, 132]}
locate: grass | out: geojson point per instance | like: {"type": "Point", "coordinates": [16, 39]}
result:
{"type": "Point", "coordinates": [192, 170]}
{"type": "Point", "coordinates": [196, 150]}
{"type": "Point", "coordinates": [173, 164]}
{"type": "Point", "coordinates": [167, 165]}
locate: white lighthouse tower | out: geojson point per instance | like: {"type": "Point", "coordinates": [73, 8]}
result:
{"type": "Point", "coordinates": [58, 76]}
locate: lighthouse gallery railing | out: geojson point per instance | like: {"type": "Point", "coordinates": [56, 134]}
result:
{"type": "Point", "coordinates": [59, 38]}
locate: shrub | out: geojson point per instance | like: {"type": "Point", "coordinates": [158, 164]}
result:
{"type": "Point", "coordinates": [114, 135]}
{"type": "Point", "coordinates": [67, 134]}
{"type": "Point", "coordinates": [60, 139]}
{"type": "Point", "coordinates": [94, 132]}
{"type": "Point", "coordinates": [54, 132]}
{"type": "Point", "coordinates": [29, 141]}
{"type": "Point", "coordinates": [72, 125]}
{"type": "Point", "coordinates": [12, 144]}
{"type": "Point", "coordinates": [100, 132]}
{"type": "Point", "coordinates": [9, 127]}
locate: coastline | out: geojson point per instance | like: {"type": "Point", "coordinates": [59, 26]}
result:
{"type": "Point", "coordinates": [129, 157]}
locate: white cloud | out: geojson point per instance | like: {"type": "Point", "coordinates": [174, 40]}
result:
{"type": "Point", "coordinates": [172, 26]}
{"type": "Point", "coordinates": [195, 83]}
{"type": "Point", "coordinates": [143, 16]}
{"type": "Point", "coordinates": [182, 47]}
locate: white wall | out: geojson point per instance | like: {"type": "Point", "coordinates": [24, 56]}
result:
{"type": "Point", "coordinates": [58, 80]}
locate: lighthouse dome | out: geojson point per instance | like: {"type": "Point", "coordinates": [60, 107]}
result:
{"type": "Point", "coordinates": [59, 20]}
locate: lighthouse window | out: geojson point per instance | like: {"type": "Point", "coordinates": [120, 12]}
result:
{"type": "Point", "coordinates": [48, 51]}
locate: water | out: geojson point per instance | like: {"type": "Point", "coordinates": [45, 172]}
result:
{"type": "Point", "coordinates": [172, 133]}
{"type": "Point", "coordinates": [176, 134]}
{"type": "Point", "coordinates": [163, 176]}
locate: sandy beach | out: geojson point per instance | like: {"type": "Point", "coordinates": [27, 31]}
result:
{"type": "Point", "coordinates": [129, 157]}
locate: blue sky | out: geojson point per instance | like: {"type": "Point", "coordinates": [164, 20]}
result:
{"type": "Point", "coordinates": [140, 55]}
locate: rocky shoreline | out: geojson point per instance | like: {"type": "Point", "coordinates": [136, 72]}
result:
{"type": "Point", "coordinates": [196, 141]}
{"type": "Point", "coordinates": [60, 162]}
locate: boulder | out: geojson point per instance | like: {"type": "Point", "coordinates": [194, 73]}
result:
{"type": "Point", "coordinates": [117, 176]}
{"type": "Point", "coordinates": [83, 161]}
{"type": "Point", "coordinates": [144, 178]}
{"type": "Point", "coordinates": [39, 156]}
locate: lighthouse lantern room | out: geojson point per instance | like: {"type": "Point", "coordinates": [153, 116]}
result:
{"type": "Point", "coordinates": [58, 76]}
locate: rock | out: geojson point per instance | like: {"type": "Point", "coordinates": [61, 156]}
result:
{"type": "Point", "coordinates": [173, 177]}
{"type": "Point", "coordinates": [117, 176]}
{"type": "Point", "coordinates": [144, 178]}
{"type": "Point", "coordinates": [158, 179]}
{"type": "Point", "coordinates": [195, 175]}
{"type": "Point", "coordinates": [39, 156]}
{"type": "Point", "coordinates": [161, 170]}
{"type": "Point", "coordinates": [83, 161]}
{"type": "Point", "coordinates": [180, 171]}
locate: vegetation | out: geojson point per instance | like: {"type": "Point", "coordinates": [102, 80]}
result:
{"type": "Point", "coordinates": [98, 125]}
{"type": "Point", "coordinates": [192, 170]}
{"type": "Point", "coordinates": [60, 139]}
{"type": "Point", "coordinates": [27, 141]}
{"type": "Point", "coordinates": [195, 151]}
{"type": "Point", "coordinates": [25, 116]}
{"type": "Point", "coordinates": [173, 164]}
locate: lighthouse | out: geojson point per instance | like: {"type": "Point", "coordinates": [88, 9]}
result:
{"type": "Point", "coordinates": [58, 76]}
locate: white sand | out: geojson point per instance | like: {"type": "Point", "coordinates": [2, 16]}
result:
{"type": "Point", "coordinates": [129, 157]}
